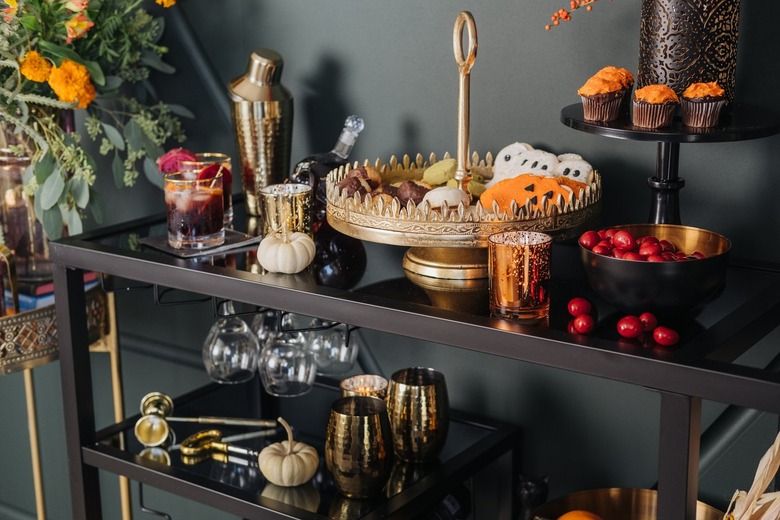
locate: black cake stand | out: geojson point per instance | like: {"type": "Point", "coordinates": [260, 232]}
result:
{"type": "Point", "coordinates": [737, 123]}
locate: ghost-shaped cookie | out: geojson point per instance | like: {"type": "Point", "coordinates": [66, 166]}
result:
{"type": "Point", "coordinates": [575, 169]}
{"type": "Point", "coordinates": [539, 162]}
{"type": "Point", "coordinates": [568, 156]}
{"type": "Point", "coordinates": [507, 162]}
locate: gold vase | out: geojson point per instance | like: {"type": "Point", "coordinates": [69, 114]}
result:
{"type": "Point", "coordinates": [358, 446]}
{"type": "Point", "coordinates": [418, 408]}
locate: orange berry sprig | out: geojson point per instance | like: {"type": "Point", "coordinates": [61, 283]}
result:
{"type": "Point", "coordinates": [565, 14]}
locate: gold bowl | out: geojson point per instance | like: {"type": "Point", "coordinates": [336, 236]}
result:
{"type": "Point", "coordinates": [662, 287]}
{"type": "Point", "coordinates": [615, 504]}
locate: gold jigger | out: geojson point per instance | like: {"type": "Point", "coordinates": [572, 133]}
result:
{"type": "Point", "coordinates": [152, 428]}
{"type": "Point", "coordinates": [358, 446]}
{"type": "Point", "coordinates": [418, 408]}
{"type": "Point", "coordinates": [368, 385]}
{"type": "Point", "coordinates": [156, 454]}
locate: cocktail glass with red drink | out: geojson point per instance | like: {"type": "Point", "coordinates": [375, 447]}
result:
{"type": "Point", "coordinates": [195, 210]}
{"type": "Point", "coordinates": [208, 164]}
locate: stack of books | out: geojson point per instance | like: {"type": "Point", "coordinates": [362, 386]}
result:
{"type": "Point", "coordinates": [34, 295]}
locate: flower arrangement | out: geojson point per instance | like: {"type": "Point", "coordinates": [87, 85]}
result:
{"type": "Point", "coordinates": [91, 58]}
{"type": "Point", "coordinates": [565, 14]}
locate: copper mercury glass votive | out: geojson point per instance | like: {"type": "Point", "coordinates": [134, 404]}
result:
{"type": "Point", "coordinates": [358, 446]}
{"type": "Point", "coordinates": [519, 275]}
{"type": "Point", "coordinates": [418, 407]}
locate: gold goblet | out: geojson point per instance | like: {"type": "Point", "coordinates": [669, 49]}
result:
{"type": "Point", "coordinates": [358, 446]}
{"type": "Point", "coordinates": [418, 408]}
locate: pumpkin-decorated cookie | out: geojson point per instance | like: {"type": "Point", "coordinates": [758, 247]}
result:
{"type": "Point", "coordinates": [540, 190]}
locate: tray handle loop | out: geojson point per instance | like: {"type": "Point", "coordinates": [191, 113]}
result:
{"type": "Point", "coordinates": [465, 62]}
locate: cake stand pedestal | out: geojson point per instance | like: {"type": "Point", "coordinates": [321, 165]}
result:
{"type": "Point", "coordinates": [737, 123]}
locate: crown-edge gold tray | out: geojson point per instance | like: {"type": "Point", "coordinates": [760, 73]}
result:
{"type": "Point", "coordinates": [372, 218]}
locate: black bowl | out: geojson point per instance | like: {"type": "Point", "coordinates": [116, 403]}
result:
{"type": "Point", "coordinates": [662, 287]}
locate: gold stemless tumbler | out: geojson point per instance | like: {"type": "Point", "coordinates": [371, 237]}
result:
{"type": "Point", "coordinates": [286, 208]}
{"type": "Point", "coordinates": [519, 275]}
{"type": "Point", "coordinates": [418, 407]}
{"type": "Point", "coordinates": [358, 446]}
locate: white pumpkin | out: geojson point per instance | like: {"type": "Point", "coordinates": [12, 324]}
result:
{"type": "Point", "coordinates": [288, 463]}
{"type": "Point", "coordinates": [291, 255]}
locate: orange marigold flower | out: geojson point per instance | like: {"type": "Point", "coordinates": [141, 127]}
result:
{"type": "Point", "coordinates": [166, 3]}
{"type": "Point", "coordinates": [70, 81]}
{"type": "Point", "coordinates": [35, 67]}
{"type": "Point", "coordinates": [78, 26]}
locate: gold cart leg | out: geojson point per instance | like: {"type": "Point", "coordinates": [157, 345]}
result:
{"type": "Point", "coordinates": [32, 428]}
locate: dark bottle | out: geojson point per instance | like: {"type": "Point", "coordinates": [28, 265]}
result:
{"type": "Point", "coordinates": [313, 169]}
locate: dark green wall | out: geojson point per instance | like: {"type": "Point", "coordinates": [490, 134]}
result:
{"type": "Point", "coordinates": [391, 62]}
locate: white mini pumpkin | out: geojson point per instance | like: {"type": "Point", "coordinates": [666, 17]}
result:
{"type": "Point", "coordinates": [288, 463]}
{"type": "Point", "coordinates": [291, 255]}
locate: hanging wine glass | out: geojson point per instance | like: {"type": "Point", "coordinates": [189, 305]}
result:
{"type": "Point", "coordinates": [335, 349]}
{"type": "Point", "coordinates": [264, 325]}
{"type": "Point", "coordinates": [230, 350]}
{"type": "Point", "coordinates": [286, 365]}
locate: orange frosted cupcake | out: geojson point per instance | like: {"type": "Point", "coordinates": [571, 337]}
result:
{"type": "Point", "coordinates": [601, 99]}
{"type": "Point", "coordinates": [654, 106]}
{"type": "Point", "coordinates": [701, 104]}
{"type": "Point", "coordinates": [622, 76]}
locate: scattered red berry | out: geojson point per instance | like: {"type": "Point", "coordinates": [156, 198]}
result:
{"type": "Point", "coordinates": [624, 240]}
{"type": "Point", "coordinates": [649, 321]}
{"type": "Point", "coordinates": [579, 306]}
{"type": "Point", "coordinates": [665, 336]}
{"type": "Point", "coordinates": [584, 324]}
{"type": "Point", "coordinates": [570, 327]}
{"type": "Point", "coordinates": [629, 327]}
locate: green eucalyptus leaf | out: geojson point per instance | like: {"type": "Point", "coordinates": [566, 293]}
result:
{"type": "Point", "coordinates": [118, 169]}
{"type": "Point", "coordinates": [72, 220]}
{"type": "Point", "coordinates": [52, 223]}
{"type": "Point", "coordinates": [43, 167]}
{"type": "Point", "coordinates": [96, 205]}
{"type": "Point", "coordinates": [52, 189]}
{"type": "Point", "coordinates": [152, 60]}
{"type": "Point", "coordinates": [152, 173]}
{"type": "Point", "coordinates": [112, 83]}
{"type": "Point", "coordinates": [79, 188]}
{"type": "Point", "coordinates": [28, 174]}
{"type": "Point", "coordinates": [114, 136]}
{"type": "Point", "coordinates": [134, 135]}
{"type": "Point", "coordinates": [153, 150]}
{"type": "Point", "coordinates": [181, 111]}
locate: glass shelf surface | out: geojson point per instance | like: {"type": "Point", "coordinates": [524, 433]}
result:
{"type": "Point", "coordinates": [714, 351]}
{"type": "Point", "coordinates": [240, 477]}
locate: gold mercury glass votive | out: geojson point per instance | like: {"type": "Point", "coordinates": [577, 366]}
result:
{"type": "Point", "coordinates": [359, 446]}
{"type": "Point", "coordinates": [368, 385]}
{"type": "Point", "coordinates": [286, 208]}
{"type": "Point", "coordinates": [519, 275]}
{"type": "Point", "coordinates": [418, 407]}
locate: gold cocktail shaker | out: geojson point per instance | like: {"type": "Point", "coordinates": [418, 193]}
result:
{"type": "Point", "coordinates": [262, 110]}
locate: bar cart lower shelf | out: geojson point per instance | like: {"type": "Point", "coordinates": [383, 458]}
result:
{"type": "Point", "coordinates": [236, 485]}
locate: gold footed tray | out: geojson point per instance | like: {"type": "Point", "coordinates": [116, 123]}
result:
{"type": "Point", "coordinates": [449, 243]}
